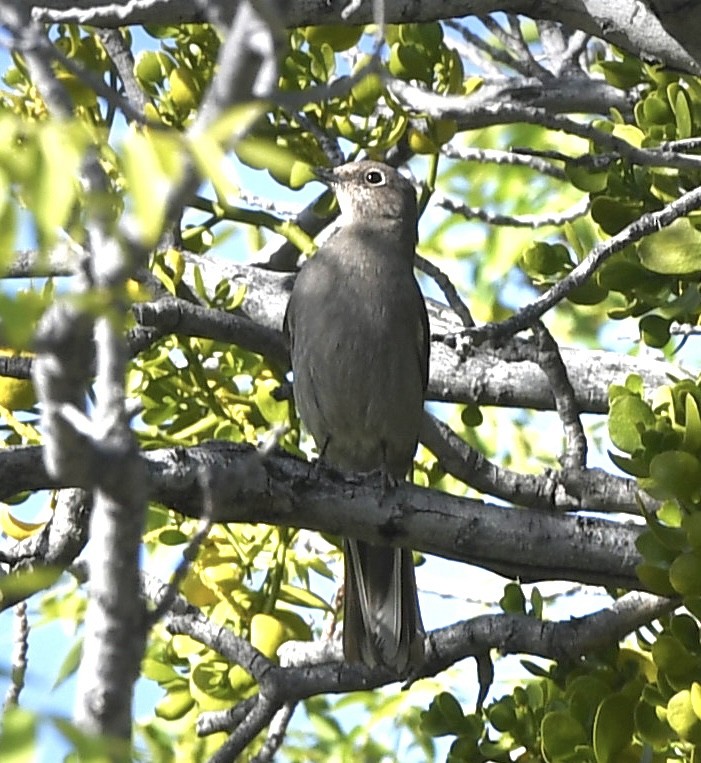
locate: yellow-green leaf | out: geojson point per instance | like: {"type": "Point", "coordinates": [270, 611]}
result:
{"type": "Point", "coordinates": [674, 250]}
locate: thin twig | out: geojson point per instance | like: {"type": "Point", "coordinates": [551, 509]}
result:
{"type": "Point", "coordinates": [478, 52]}
{"type": "Point", "coordinates": [276, 733]}
{"type": "Point", "coordinates": [648, 223]}
{"type": "Point", "coordinates": [446, 286]}
{"type": "Point", "coordinates": [576, 45]}
{"type": "Point", "coordinates": [593, 161]}
{"type": "Point", "coordinates": [574, 457]}
{"type": "Point", "coordinates": [419, 100]}
{"type": "Point", "coordinates": [123, 60]}
{"type": "Point", "coordinates": [190, 552]}
{"type": "Point", "coordinates": [512, 157]}
{"type": "Point", "coordinates": [515, 221]}
{"type": "Point", "coordinates": [520, 57]}
{"type": "Point", "coordinates": [20, 648]}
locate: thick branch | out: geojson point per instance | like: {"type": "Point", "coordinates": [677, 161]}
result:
{"type": "Point", "coordinates": [282, 490]}
{"type": "Point", "coordinates": [277, 489]}
{"type": "Point", "coordinates": [176, 316]}
{"type": "Point", "coordinates": [629, 24]}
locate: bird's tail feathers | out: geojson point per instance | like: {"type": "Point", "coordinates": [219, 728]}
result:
{"type": "Point", "coordinates": [382, 622]}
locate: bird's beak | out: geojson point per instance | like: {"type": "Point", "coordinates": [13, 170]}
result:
{"type": "Point", "coordinates": [326, 175]}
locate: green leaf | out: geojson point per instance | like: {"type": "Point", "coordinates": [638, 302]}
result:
{"type": "Point", "coordinates": [685, 573]}
{"type": "Point", "coordinates": [161, 672]}
{"type": "Point", "coordinates": [172, 536]}
{"type": "Point", "coordinates": [184, 90]}
{"type": "Point", "coordinates": [410, 61]}
{"type": "Point", "coordinates": [268, 633]}
{"type": "Point", "coordinates": [682, 114]}
{"type": "Point", "coordinates": [622, 74]}
{"type": "Point", "coordinates": [585, 694]}
{"type": "Point", "coordinates": [19, 314]}
{"type": "Point", "coordinates": [281, 162]}
{"type": "Point", "coordinates": [692, 424]}
{"type": "Point", "coordinates": [174, 705]}
{"type": "Point", "coordinates": [8, 222]}
{"type": "Point", "coordinates": [677, 472]}
{"type": "Point", "coordinates": [21, 585]}
{"type": "Point", "coordinates": [654, 550]}
{"type": "Point", "coordinates": [537, 603]}
{"type": "Point", "coordinates": [560, 734]}
{"type": "Point", "coordinates": [471, 415]}
{"type": "Point", "coordinates": [654, 330]}
{"type": "Point", "coordinates": [686, 629]}
{"type": "Point", "coordinates": [613, 728]}
{"type": "Point", "coordinates": [614, 214]}
{"type": "Point", "coordinates": [200, 288]}
{"type": "Point", "coordinates": [210, 685]}
{"type": "Point", "coordinates": [634, 383]}
{"type": "Point", "coordinates": [695, 694]}
{"type": "Point", "coordinates": [672, 657]}
{"type": "Point", "coordinates": [502, 714]}
{"type": "Point", "coordinates": [585, 178]}
{"type": "Point", "coordinates": [450, 709]}
{"type": "Point", "coordinates": [18, 736]}
{"type": "Point", "coordinates": [302, 597]}
{"type": "Point", "coordinates": [674, 250]}
{"type": "Point", "coordinates": [70, 663]}
{"type": "Point", "coordinates": [637, 467]}
{"type": "Point", "coordinates": [445, 716]}
{"type": "Point", "coordinates": [55, 186]}
{"type": "Point", "coordinates": [589, 293]}
{"type": "Point", "coordinates": [152, 67]}
{"type": "Point", "coordinates": [338, 36]}
{"type": "Point", "coordinates": [152, 165]}
{"type": "Point", "coordinates": [628, 416]}
{"type": "Point", "coordinates": [544, 259]}
{"type": "Point", "coordinates": [513, 601]}
{"type": "Point", "coordinates": [692, 526]}
{"type": "Point", "coordinates": [672, 537]}
{"type": "Point", "coordinates": [650, 728]}
{"type": "Point", "coordinates": [656, 110]}
{"type": "Point", "coordinates": [655, 579]}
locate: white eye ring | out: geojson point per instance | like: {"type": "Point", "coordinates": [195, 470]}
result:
{"type": "Point", "coordinates": [375, 177]}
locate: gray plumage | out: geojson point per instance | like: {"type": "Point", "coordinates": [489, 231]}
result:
{"type": "Point", "coordinates": [359, 345]}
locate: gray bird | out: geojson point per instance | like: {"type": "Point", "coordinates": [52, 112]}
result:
{"type": "Point", "coordinates": [359, 343]}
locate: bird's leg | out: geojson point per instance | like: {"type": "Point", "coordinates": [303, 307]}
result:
{"type": "Point", "coordinates": [388, 482]}
{"type": "Point", "coordinates": [318, 464]}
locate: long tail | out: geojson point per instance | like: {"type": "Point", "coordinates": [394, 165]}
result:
{"type": "Point", "coordinates": [381, 621]}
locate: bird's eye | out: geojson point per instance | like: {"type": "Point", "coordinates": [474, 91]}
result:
{"type": "Point", "coordinates": [374, 177]}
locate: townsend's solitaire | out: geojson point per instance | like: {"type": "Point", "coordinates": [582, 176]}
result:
{"type": "Point", "coordinates": [359, 343]}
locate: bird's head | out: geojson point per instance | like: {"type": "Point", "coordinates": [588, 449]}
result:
{"type": "Point", "coordinates": [370, 190]}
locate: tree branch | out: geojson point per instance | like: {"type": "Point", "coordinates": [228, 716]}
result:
{"type": "Point", "coordinates": [282, 490]}
{"type": "Point", "coordinates": [176, 316]}
{"type": "Point", "coordinates": [483, 375]}
{"type": "Point", "coordinates": [628, 24]}
{"type": "Point", "coordinates": [648, 223]}
{"type": "Point", "coordinates": [277, 489]}
{"type": "Point", "coordinates": [511, 634]}
{"type": "Point", "coordinates": [572, 490]}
